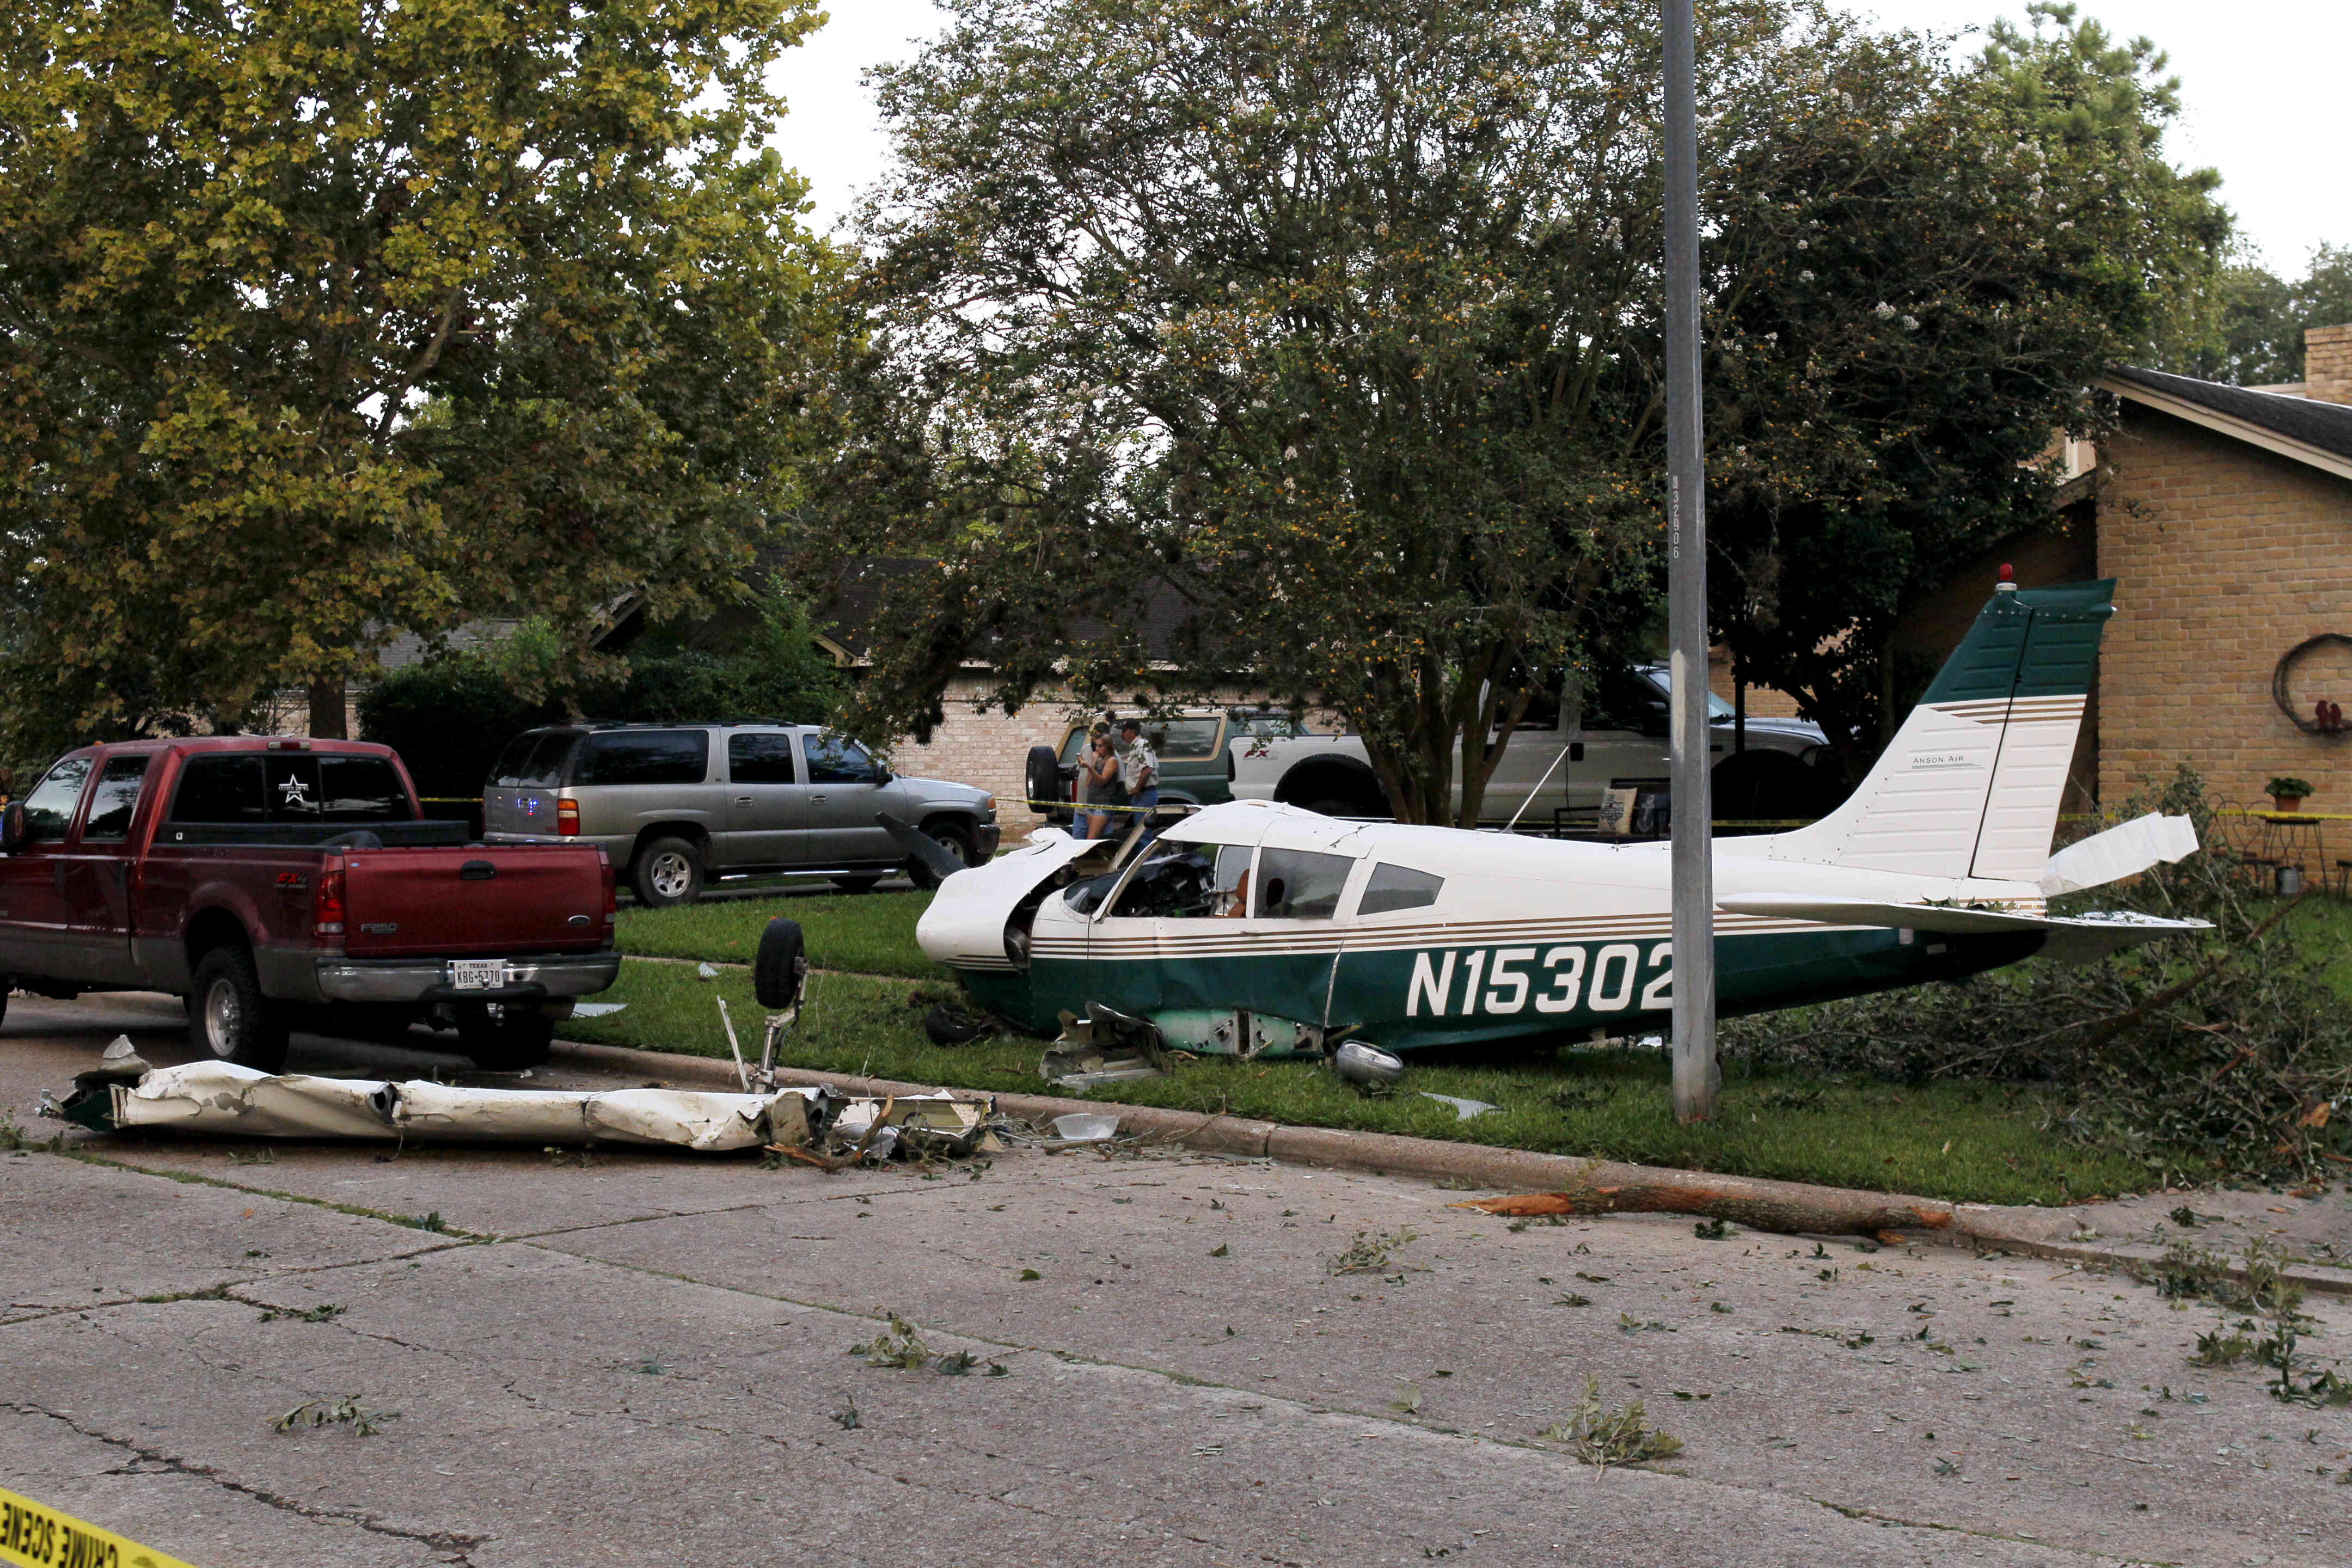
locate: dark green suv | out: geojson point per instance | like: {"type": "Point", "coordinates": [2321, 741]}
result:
{"type": "Point", "coordinates": [1195, 747]}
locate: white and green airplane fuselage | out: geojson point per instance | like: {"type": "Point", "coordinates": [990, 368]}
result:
{"type": "Point", "coordinates": [1255, 927]}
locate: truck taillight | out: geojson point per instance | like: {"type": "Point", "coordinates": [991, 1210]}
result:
{"type": "Point", "coordinates": [327, 900]}
{"type": "Point", "coordinates": [611, 893]}
{"type": "Point", "coordinates": [567, 818]}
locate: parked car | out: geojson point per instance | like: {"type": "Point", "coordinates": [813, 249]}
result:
{"type": "Point", "coordinates": [1615, 735]}
{"type": "Point", "coordinates": [277, 881]}
{"type": "Point", "coordinates": [682, 805]}
{"type": "Point", "coordinates": [1194, 748]}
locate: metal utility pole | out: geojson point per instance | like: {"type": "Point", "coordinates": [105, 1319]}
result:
{"type": "Point", "coordinates": [1697, 1077]}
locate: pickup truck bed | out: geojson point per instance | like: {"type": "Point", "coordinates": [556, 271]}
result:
{"type": "Point", "coordinates": [272, 882]}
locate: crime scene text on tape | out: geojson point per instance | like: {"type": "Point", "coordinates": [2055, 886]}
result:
{"type": "Point", "coordinates": [33, 1536]}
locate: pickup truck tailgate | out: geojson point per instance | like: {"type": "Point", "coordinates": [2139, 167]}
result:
{"type": "Point", "coordinates": [474, 900]}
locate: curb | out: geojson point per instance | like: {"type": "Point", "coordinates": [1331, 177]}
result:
{"type": "Point", "coordinates": [1976, 1225]}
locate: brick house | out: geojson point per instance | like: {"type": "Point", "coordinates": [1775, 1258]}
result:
{"type": "Point", "coordinates": [2225, 515]}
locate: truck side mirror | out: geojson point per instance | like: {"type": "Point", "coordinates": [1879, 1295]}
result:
{"type": "Point", "coordinates": [15, 829]}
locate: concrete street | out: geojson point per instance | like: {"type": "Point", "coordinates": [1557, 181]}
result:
{"type": "Point", "coordinates": [641, 1357]}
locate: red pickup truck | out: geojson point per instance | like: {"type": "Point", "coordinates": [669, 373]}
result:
{"type": "Point", "coordinates": [272, 882]}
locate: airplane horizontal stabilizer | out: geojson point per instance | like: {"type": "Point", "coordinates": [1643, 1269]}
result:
{"type": "Point", "coordinates": [2119, 852]}
{"type": "Point", "coordinates": [2075, 941]}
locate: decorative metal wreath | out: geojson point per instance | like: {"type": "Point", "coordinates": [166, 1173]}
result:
{"type": "Point", "coordinates": [2332, 723]}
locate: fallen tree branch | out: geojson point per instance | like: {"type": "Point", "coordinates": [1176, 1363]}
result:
{"type": "Point", "coordinates": [1788, 1207]}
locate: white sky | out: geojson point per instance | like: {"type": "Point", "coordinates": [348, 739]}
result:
{"type": "Point", "coordinates": [2262, 83]}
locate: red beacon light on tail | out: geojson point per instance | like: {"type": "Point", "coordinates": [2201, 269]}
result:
{"type": "Point", "coordinates": [2007, 584]}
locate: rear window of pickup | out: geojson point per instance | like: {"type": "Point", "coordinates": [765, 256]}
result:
{"type": "Point", "coordinates": [248, 790]}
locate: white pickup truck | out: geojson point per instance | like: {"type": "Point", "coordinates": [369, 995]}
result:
{"type": "Point", "coordinates": [1614, 735]}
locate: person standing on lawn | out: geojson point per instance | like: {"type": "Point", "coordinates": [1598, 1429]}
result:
{"type": "Point", "coordinates": [1099, 784]}
{"type": "Point", "coordinates": [1139, 769]}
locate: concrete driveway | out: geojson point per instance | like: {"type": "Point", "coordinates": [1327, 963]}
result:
{"type": "Point", "coordinates": [646, 1357]}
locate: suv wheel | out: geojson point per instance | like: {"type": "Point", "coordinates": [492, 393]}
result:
{"type": "Point", "coordinates": [953, 837]}
{"type": "Point", "coordinates": [667, 871]}
{"type": "Point", "coordinates": [229, 1019]}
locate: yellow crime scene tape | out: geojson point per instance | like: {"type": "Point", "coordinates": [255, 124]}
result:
{"type": "Point", "coordinates": [33, 1536]}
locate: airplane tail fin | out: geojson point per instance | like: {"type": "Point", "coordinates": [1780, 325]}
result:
{"type": "Point", "coordinates": [1971, 786]}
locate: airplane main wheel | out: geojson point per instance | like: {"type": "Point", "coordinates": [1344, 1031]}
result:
{"type": "Point", "coordinates": [779, 969]}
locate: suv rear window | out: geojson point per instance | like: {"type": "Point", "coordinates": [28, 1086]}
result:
{"type": "Point", "coordinates": [1182, 739]}
{"type": "Point", "coordinates": [645, 757]}
{"type": "Point", "coordinates": [534, 759]}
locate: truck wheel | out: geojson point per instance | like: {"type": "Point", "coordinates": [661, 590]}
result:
{"type": "Point", "coordinates": [516, 1038]}
{"type": "Point", "coordinates": [953, 837]}
{"type": "Point", "coordinates": [229, 1019]}
{"type": "Point", "coordinates": [667, 871]}
{"type": "Point", "coordinates": [781, 967]}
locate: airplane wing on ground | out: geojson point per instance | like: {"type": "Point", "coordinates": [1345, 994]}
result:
{"type": "Point", "coordinates": [2073, 941]}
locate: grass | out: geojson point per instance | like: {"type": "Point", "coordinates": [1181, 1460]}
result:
{"type": "Point", "coordinates": [1967, 1142]}
{"type": "Point", "coordinates": [870, 933]}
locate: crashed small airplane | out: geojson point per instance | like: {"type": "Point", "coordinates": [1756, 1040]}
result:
{"type": "Point", "coordinates": [1254, 928]}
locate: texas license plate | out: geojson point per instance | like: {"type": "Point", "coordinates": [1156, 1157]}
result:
{"type": "Point", "coordinates": [477, 973]}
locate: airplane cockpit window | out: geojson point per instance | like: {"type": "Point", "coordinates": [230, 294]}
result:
{"type": "Point", "coordinates": [1300, 885]}
{"type": "Point", "coordinates": [1187, 881]}
{"type": "Point", "coordinates": [1398, 888]}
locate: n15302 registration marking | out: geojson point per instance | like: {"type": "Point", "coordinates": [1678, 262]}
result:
{"type": "Point", "coordinates": [1502, 980]}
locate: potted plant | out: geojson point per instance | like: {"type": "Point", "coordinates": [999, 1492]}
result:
{"type": "Point", "coordinates": [2287, 792]}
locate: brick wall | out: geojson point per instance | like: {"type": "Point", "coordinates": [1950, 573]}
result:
{"type": "Point", "coordinates": [2227, 556]}
{"type": "Point", "coordinates": [2327, 364]}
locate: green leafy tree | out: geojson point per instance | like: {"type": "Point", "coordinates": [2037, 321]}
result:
{"type": "Point", "coordinates": [1922, 270]}
{"type": "Point", "coordinates": [770, 668]}
{"type": "Point", "coordinates": [1319, 340]}
{"type": "Point", "coordinates": [324, 318]}
{"type": "Point", "coordinates": [2256, 336]}
{"type": "Point", "coordinates": [1316, 339]}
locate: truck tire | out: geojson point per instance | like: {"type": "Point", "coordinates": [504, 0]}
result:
{"type": "Point", "coordinates": [667, 871]}
{"type": "Point", "coordinates": [516, 1038]}
{"type": "Point", "coordinates": [953, 837]}
{"type": "Point", "coordinates": [229, 1018]}
{"type": "Point", "coordinates": [779, 969]}
{"type": "Point", "coordinates": [1043, 778]}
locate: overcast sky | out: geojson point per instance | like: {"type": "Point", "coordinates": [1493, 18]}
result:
{"type": "Point", "coordinates": [2263, 81]}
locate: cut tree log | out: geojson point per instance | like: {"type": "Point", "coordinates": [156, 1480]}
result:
{"type": "Point", "coordinates": [1792, 1208]}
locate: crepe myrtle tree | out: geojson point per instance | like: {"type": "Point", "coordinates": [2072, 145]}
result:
{"type": "Point", "coordinates": [324, 318]}
{"type": "Point", "coordinates": [1915, 282]}
{"type": "Point", "coordinates": [1311, 340]}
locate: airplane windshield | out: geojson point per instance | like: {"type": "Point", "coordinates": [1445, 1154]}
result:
{"type": "Point", "coordinates": [1187, 881]}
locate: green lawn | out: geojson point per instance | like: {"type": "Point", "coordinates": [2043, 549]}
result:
{"type": "Point", "coordinates": [1981, 1142]}
{"type": "Point", "coordinates": [871, 933]}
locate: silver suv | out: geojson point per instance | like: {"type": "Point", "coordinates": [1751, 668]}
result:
{"type": "Point", "coordinates": [681, 804]}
